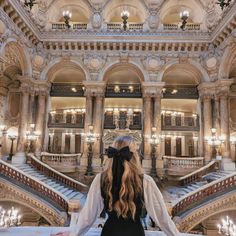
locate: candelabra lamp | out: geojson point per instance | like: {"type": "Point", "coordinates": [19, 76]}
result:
{"type": "Point", "coordinates": [67, 16]}
{"type": "Point", "coordinates": [154, 141]}
{"type": "Point", "coordinates": [184, 15]}
{"type": "Point", "coordinates": [12, 137]}
{"type": "Point", "coordinates": [223, 3]}
{"type": "Point", "coordinates": [32, 136]}
{"type": "Point", "coordinates": [90, 139]}
{"type": "Point", "coordinates": [227, 227]}
{"type": "Point", "coordinates": [9, 218]}
{"type": "Point", "coordinates": [30, 3]}
{"type": "Point", "coordinates": [214, 141]}
{"type": "Point", "coordinates": [125, 16]}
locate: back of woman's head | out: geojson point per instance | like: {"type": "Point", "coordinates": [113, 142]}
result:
{"type": "Point", "coordinates": [122, 181]}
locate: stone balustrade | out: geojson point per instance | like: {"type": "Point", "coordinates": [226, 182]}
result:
{"type": "Point", "coordinates": [29, 181]}
{"type": "Point", "coordinates": [76, 26]}
{"type": "Point", "coordinates": [65, 163]}
{"type": "Point", "coordinates": [131, 27]}
{"type": "Point", "coordinates": [189, 27]}
{"type": "Point", "coordinates": [181, 166]}
{"type": "Point", "coordinates": [54, 174]}
{"type": "Point", "coordinates": [202, 194]}
{"type": "Point", "coordinates": [196, 175]}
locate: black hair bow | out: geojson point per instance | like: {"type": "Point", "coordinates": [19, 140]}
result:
{"type": "Point", "coordinates": [119, 156]}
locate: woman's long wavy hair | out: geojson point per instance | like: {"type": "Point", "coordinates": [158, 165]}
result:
{"type": "Point", "coordinates": [131, 182]}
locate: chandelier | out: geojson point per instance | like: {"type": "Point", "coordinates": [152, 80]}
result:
{"type": "Point", "coordinates": [30, 3]}
{"type": "Point", "coordinates": [9, 218]}
{"type": "Point", "coordinates": [223, 3]}
{"type": "Point", "coordinates": [227, 227]}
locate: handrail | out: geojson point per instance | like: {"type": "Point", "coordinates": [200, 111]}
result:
{"type": "Point", "coordinates": [203, 192]}
{"type": "Point", "coordinates": [32, 182]}
{"type": "Point", "coordinates": [47, 170]}
{"type": "Point", "coordinates": [184, 158]}
{"type": "Point", "coordinates": [194, 176]}
{"type": "Point", "coordinates": [60, 154]}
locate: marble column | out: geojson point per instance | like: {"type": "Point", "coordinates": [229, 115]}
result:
{"type": "Point", "coordinates": [147, 123]}
{"type": "Point", "coordinates": [98, 124]}
{"type": "Point", "coordinates": [207, 114]}
{"type": "Point", "coordinates": [19, 157]}
{"type": "Point", "coordinates": [201, 126]}
{"type": "Point", "coordinates": [216, 121]}
{"type": "Point", "coordinates": [40, 119]}
{"type": "Point", "coordinates": [31, 108]}
{"type": "Point", "coordinates": [72, 143]}
{"type": "Point", "coordinates": [63, 141]}
{"type": "Point", "coordinates": [224, 120]}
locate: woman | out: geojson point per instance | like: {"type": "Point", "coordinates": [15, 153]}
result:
{"type": "Point", "coordinates": [123, 190]}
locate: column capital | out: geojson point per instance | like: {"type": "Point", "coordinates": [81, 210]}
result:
{"type": "Point", "coordinates": [206, 90]}
{"type": "Point", "coordinates": [223, 87]}
{"type": "Point", "coordinates": [152, 89]}
{"type": "Point", "coordinates": [95, 88]}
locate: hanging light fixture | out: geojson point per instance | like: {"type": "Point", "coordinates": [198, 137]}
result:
{"type": "Point", "coordinates": [67, 16]}
{"type": "Point", "coordinates": [184, 15]}
{"type": "Point", "coordinates": [125, 16]}
{"type": "Point", "coordinates": [30, 3]}
{"type": "Point", "coordinates": [223, 3]}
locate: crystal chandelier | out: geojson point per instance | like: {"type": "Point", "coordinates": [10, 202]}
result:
{"type": "Point", "coordinates": [227, 227]}
{"type": "Point", "coordinates": [9, 218]}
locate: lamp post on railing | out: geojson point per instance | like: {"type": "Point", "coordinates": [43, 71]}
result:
{"type": "Point", "coordinates": [9, 218]}
{"type": "Point", "coordinates": [184, 15]}
{"type": "Point", "coordinates": [227, 227]}
{"type": "Point", "coordinates": [67, 16]}
{"type": "Point", "coordinates": [215, 142]}
{"type": "Point", "coordinates": [154, 141]}
{"type": "Point", "coordinates": [32, 136]}
{"type": "Point", "coordinates": [90, 139]}
{"type": "Point", "coordinates": [125, 16]}
{"type": "Point", "coordinates": [12, 136]}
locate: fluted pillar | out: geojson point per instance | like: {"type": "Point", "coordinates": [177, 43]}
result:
{"type": "Point", "coordinates": [224, 118]}
{"type": "Point", "coordinates": [147, 125]}
{"type": "Point", "coordinates": [40, 119]}
{"type": "Point", "coordinates": [207, 113]}
{"type": "Point", "coordinates": [98, 123]}
{"type": "Point", "coordinates": [19, 157]}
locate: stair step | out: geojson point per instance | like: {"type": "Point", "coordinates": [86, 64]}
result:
{"type": "Point", "coordinates": [72, 195]}
{"type": "Point", "coordinates": [67, 193]}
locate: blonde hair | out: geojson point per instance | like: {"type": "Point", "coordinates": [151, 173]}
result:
{"type": "Point", "coordinates": [131, 182]}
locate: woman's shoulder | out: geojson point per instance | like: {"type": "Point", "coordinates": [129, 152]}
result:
{"type": "Point", "coordinates": [148, 179]}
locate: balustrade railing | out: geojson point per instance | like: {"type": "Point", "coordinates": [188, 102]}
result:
{"type": "Point", "coordinates": [200, 195]}
{"type": "Point", "coordinates": [124, 90]}
{"type": "Point", "coordinates": [118, 27]}
{"type": "Point", "coordinates": [182, 165]}
{"type": "Point", "coordinates": [29, 181]}
{"type": "Point", "coordinates": [197, 175]}
{"type": "Point", "coordinates": [54, 174]}
{"type": "Point", "coordinates": [67, 90]}
{"type": "Point", "coordinates": [65, 163]}
{"type": "Point", "coordinates": [188, 27]}
{"type": "Point", "coordinates": [75, 26]}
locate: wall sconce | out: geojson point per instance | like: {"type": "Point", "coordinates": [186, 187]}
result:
{"type": "Point", "coordinates": [184, 15]}
{"type": "Point", "coordinates": [125, 16]}
{"type": "Point", "coordinates": [67, 16]}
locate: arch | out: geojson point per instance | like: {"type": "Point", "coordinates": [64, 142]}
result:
{"type": "Point", "coordinates": [13, 193]}
{"type": "Point", "coordinates": [221, 204]}
{"type": "Point", "coordinates": [190, 65]}
{"type": "Point", "coordinates": [170, 8]}
{"type": "Point", "coordinates": [60, 63]}
{"type": "Point", "coordinates": [21, 54]}
{"type": "Point", "coordinates": [142, 74]}
{"type": "Point", "coordinates": [58, 6]}
{"type": "Point", "coordinates": [226, 62]}
{"type": "Point", "coordinates": [137, 9]}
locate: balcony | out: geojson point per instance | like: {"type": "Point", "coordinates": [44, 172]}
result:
{"type": "Point", "coordinates": [118, 27]}
{"type": "Point", "coordinates": [67, 90]}
{"type": "Point", "coordinates": [189, 27]}
{"type": "Point", "coordinates": [74, 26]}
{"type": "Point", "coordinates": [170, 122]}
{"type": "Point", "coordinates": [124, 90]}
{"type": "Point", "coordinates": [180, 92]}
{"type": "Point", "coordinates": [123, 119]}
{"type": "Point", "coordinates": [71, 118]}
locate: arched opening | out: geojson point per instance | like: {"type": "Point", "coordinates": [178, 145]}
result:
{"type": "Point", "coordinates": [67, 113]}
{"type": "Point", "coordinates": [180, 113]}
{"type": "Point", "coordinates": [123, 101]}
